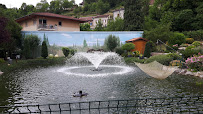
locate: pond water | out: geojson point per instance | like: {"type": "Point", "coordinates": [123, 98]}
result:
{"type": "Point", "coordinates": [44, 85]}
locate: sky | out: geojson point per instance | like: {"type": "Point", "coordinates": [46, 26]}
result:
{"type": "Point", "coordinates": [18, 3]}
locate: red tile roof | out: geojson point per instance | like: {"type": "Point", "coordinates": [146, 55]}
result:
{"type": "Point", "coordinates": [136, 39]}
{"type": "Point", "coordinates": [101, 16]}
{"type": "Point", "coordinates": [46, 14]}
{"type": "Point", "coordinates": [86, 18]}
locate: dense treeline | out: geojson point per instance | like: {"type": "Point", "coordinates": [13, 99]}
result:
{"type": "Point", "coordinates": [167, 17]}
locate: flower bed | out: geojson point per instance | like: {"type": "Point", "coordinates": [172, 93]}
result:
{"type": "Point", "coordinates": [195, 63]}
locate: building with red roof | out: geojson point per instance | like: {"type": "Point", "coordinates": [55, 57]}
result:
{"type": "Point", "coordinates": [139, 44]}
{"type": "Point", "coordinates": [44, 21]}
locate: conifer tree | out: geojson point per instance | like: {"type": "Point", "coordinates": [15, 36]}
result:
{"type": "Point", "coordinates": [44, 50]}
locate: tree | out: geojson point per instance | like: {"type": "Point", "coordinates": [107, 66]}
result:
{"type": "Point", "coordinates": [66, 51]}
{"type": "Point", "coordinates": [84, 43]}
{"type": "Point", "coordinates": [26, 50]}
{"type": "Point", "coordinates": [128, 46]}
{"type": "Point", "coordinates": [147, 51]}
{"type": "Point", "coordinates": [44, 53]}
{"type": "Point", "coordinates": [177, 38]}
{"type": "Point", "coordinates": [99, 26]}
{"type": "Point", "coordinates": [117, 25]}
{"type": "Point", "coordinates": [111, 42]}
{"type": "Point", "coordinates": [135, 10]}
{"type": "Point", "coordinates": [85, 27]}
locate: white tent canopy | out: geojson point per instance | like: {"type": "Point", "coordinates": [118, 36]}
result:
{"type": "Point", "coordinates": [157, 70]}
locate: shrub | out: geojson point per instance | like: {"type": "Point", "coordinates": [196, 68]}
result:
{"type": "Point", "coordinates": [195, 63]}
{"type": "Point", "coordinates": [136, 53]}
{"type": "Point", "coordinates": [196, 43]}
{"type": "Point", "coordinates": [147, 51]}
{"type": "Point", "coordinates": [176, 63]}
{"type": "Point", "coordinates": [66, 51]}
{"type": "Point", "coordinates": [197, 35]}
{"type": "Point", "coordinates": [133, 59]}
{"type": "Point", "coordinates": [44, 53]}
{"type": "Point", "coordinates": [2, 60]}
{"type": "Point", "coordinates": [119, 50]}
{"type": "Point", "coordinates": [175, 56]}
{"type": "Point", "coordinates": [72, 51]}
{"type": "Point", "coordinates": [177, 38]}
{"type": "Point", "coordinates": [189, 40]}
{"type": "Point", "coordinates": [128, 46]}
{"type": "Point", "coordinates": [163, 59]}
{"type": "Point", "coordinates": [188, 52]}
{"type": "Point", "coordinates": [111, 42]}
{"type": "Point", "coordinates": [190, 47]}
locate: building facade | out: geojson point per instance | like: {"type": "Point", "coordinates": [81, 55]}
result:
{"type": "Point", "coordinates": [118, 13]}
{"type": "Point", "coordinates": [49, 22]}
{"type": "Point", "coordinates": [104, 20]}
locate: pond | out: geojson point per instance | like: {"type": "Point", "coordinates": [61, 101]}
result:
{"type": "Point", "coordinates": [44, 85]}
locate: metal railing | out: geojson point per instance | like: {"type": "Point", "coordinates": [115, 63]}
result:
{"type": "Point", "coordinates": [146, 105]}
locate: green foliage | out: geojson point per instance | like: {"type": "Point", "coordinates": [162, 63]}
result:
{"type": "Point", "coordinates": [27, 50]}
{"type": "Point", "coordinates": [175, 56]}
{"type": "Point", "coordinates": [196, 43]}
{"type": "Point", "coordinates": [111, 42]}
{"type": "Point", "coordinates": [128, 46]}
{"type": "Point", "coordinates": [135, 10]}
{"type": "Point", "coordinates": [117, 25]}
{"type": "Point", "coordinates": [163, 59]}
{"type": "Point", "coordinates": [85, 27]}
{"type": "Point", "coordinates": [99, 26]}
{"type": "Point", "coordinates": [161, 32]}
{"type": "Point", "coordinates": [44, 53]}
{"type": "Point", "coordinates": [188, 52]}
{"type": "Point", "coordinates": [147, 51]}
{"type": "Point", "coordinates": [2, 60]}
{"type": "Point", "coordinates": [66, 51]}
{"type": "Point", "coordinates": [189, 40]}
{"type": "Point", "coordinates": [119, 50]}
{"type": "Point", "coordinates": [197, 35]}
{"type": "Point", "coordinates": [85, 43]}
{"type": "Point", "coordinates": [177, 38]}
{"type": "Point", "coordinates": [129, 60]}
{"type": "Point", "coordinates": [31, 44]}
{"type": "Point", "coordinates": [72, 52]}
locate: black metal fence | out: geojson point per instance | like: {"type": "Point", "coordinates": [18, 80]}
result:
{"type": "Point", "coordinates": [146, 105]}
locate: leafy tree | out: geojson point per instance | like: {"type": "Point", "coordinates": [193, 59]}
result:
{"type": "Point", "coordinates": [99, 26]}
{"type": "Point", "coordinates": [128, 46]}
{"type": "Point", "coordinates": [44, 53]}
{"type": "Point", "coordinates": [66, 51]}
{"type": "Point", "coordinates": [161, 32]}
{"type": "Point", "coordinates": [117, 25]}
{"type": "Point", "coordinates": [85, 27]}
{"type": "Point", "coordinates": [135, 10]}
{"type": "Point", "coordinates": [111, 42]}
{"type": "Point", "coordinates": [42, 6]}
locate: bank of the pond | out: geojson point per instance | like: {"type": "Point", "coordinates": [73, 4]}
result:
{"type": "Point", "coordinates": [20, 64]}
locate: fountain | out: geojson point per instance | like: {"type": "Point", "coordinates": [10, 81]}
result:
{"type": "Point", "coordinates": [95, 64]}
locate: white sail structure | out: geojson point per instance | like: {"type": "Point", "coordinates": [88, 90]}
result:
{"type": "Point", "coordinates": [157, 70]}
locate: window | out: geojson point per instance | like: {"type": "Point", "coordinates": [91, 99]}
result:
{"type": "Point", "coordinates": [104, 21]}
{"type": "Point", "coordinates": [60, 23]}
{"type": "Point", "coordinates": [90, 23]}
{"type": "Point", "coordinates": [42, 21]}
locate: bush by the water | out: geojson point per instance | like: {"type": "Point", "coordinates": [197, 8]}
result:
{"type": "Point", "coordinates": [163, 59]}
{"type": "Point", "coordinates": [119, 50]}
{"type": "Point", "coordinates": [133, 59]}
{"type": "Point", "coordinates": [66, 51]}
